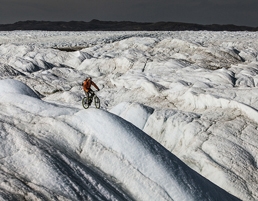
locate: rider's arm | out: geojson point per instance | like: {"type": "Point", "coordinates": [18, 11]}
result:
{"type": "Point", "coordinates": [95, 85]}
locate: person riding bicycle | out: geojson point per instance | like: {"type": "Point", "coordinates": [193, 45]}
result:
{"type": "Point", "coordinates": [86, 87]}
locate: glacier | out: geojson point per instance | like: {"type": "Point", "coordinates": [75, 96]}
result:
{"type": "Point", "coordinates": [178, 117]}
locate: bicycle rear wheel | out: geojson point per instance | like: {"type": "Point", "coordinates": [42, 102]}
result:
{"type": "Point", "coordinates": [85, 102]}
{"type": "Point", "coordinates": [97, 102]}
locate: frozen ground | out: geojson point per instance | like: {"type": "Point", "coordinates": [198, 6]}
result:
{"type": "Point", "coordinates": [193, 92]}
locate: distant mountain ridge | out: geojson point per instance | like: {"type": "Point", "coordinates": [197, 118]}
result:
{"type": "Point", "coordinates": [97, 25]}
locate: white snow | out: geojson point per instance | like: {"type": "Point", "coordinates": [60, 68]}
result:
{"type": "Point", "coordinates": [174, 106]}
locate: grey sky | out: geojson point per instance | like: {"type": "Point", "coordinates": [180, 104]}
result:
{"type": "Point", "coordinates": [238, 12]}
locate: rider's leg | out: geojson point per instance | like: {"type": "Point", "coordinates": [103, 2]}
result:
{"type": "Point", "coordinates": [87, 94]}
{"type": "Point", "coordinates": [91, 93]}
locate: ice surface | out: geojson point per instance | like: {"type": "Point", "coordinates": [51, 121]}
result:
{"type": "Point", "coordinates": [193, 93]}
{"type": "Point", "coordinates": [71, 154]}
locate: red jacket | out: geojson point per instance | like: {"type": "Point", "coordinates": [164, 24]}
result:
{"type": "Point", "coordinates": [87, 84]}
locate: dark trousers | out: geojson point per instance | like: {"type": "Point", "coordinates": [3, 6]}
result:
{"type": "Point", "coordinates": [89, 94]}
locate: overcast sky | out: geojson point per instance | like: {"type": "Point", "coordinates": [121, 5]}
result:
{"type": "Point", "coordinates": [238, 12]}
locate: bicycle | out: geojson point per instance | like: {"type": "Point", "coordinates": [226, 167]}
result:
{"type": "Point", "coordinates": [88, 99]}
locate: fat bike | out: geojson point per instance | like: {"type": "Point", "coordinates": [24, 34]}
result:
{"type": "Point", "coordinates": [89, 98]}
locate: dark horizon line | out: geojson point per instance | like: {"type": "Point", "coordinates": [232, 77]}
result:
{"type": "Point", "coordinates": [140, 22]}
{"type": "Point", "coordinates": [98, 25]}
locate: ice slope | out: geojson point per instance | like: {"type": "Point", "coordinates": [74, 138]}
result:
{"type": "Point", "coordinates": [51, 152]}
{"type": "Point", "coordinates": [219, 146]}
{"type": "Point", "coordinates": [193, 92]}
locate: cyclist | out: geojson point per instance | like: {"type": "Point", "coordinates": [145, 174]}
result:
{"type": "Point", "coordinates": [86, 87]}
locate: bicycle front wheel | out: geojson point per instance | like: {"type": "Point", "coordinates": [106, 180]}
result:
{"type": "Point", "coordinates": [97, 102]}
